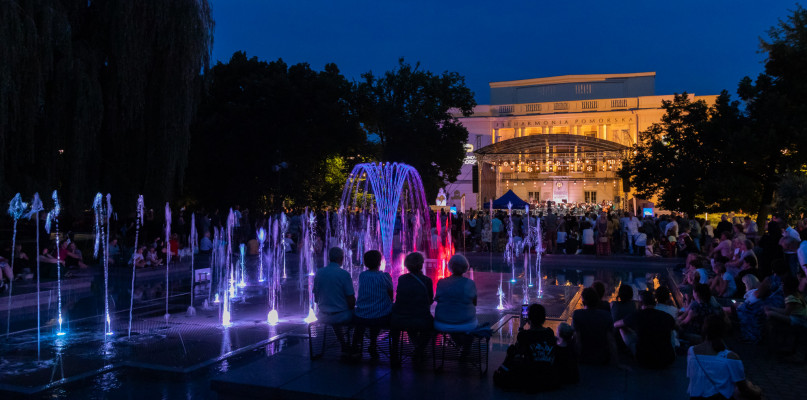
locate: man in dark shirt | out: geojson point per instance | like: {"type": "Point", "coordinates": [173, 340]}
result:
{"type": "Point", "coordinates": [594, 331]}
{"type": "Point", "coordinates": [529, 365]}
{"type": "Point", "coordinates": [648, 333]}
{"type": "Point", "coordinates": [724, 226]}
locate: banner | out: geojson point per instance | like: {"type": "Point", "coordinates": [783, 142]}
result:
{"type": "Point", "coordinates": [560, 191]}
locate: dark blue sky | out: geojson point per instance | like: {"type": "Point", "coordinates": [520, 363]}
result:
{"type": "Point", "coordinates": [700, 47]}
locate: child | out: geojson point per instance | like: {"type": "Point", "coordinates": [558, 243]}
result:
{"type": "Point", "coordinates": [641, 242]}
{"type": "Point", "coordinates": [565, 356]}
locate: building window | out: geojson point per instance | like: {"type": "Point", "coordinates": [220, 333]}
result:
{"type": "Point", "coordinates": [582, 88]}
{"type": "Point", "coordinates": [590, 196]}
{"type": "Point", "coordinates": [534, 196]}
{"type": "Point", "coordinates": [589, 130]}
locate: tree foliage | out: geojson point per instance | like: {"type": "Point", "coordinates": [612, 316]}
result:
{"type": "Point", "coordinates": [270, 133]}
{"type": "Point", "coordinates": [99, 96]}
{"type": "Point", "coordinates": [681, 159]}
{"type": "Point", "coordinates": [776, 106]}
{"type": "Point", "coordinates": [727, 157]}
{"type": "Point", "coordinates": [408, 111]}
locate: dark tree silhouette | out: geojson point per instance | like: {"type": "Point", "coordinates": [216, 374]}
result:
{"type": "Point", "coordinates": [99, 96]}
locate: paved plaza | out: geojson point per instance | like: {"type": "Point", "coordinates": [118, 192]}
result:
{"type": "Point", "coordinates": [194, 357]}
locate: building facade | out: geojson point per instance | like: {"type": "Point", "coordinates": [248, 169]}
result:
{"type": "Point", "coordinates": [559, 139]}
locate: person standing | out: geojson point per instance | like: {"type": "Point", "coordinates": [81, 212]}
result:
{"type": "Point", "coordinates": [551, 226]}
{"type": "Point", "coordinates": [632, 228]}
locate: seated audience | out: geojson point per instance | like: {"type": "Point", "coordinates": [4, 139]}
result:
{"type": "Point", "coordinates": [599, 287]}
{"type": "Point", "coordinates": [411, 312]}
{"type": "Point", "coordinates": [648, 334]}
{"type": "Point", "coordinates": [373, 304]}
{"type": "Point", "coordinates": [715, 372]}
{"type": "Point", "coordinates": [333, 293]}
{"type": "Point", "coordinates": [566, 366]}
{"type": "Point", "coordinates": [794, 315]}
{"type": "Point", "coordinates": [138, 259]}
{"type": "Point", "coordinates": [529, 365]}
{"type": "Point", "coordinates": [692, 319]}
{"type": "Point", "coordinates": [456, 299]}
{"type": "Point", "coordinates": [594, 331]}
{"type": "Point", "coordinates": [624, 304]}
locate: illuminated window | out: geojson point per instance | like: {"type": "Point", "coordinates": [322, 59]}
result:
{"type": "Point", "coordinates": [590, 196]}
{"type": "Point", "coordinates": [588, 130]}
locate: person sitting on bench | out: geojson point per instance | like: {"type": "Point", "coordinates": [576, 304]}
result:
{"type": "Point", "coordinates": [411, 312]}
{"type": "Point", "coordinates": [374, 304]}
{"type": "Point", "coordinates": [333, 293]}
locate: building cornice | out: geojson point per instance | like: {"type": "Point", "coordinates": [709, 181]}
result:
{"type": "Point", "coordinates": [567, 79]}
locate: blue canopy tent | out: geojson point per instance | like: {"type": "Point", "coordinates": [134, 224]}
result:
{"type": "Point", "coordinates": [509, 197]}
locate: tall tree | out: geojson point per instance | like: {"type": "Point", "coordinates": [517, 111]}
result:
{"type": "Point", "coordinates": [776, 107]}
{"type": "Point", "coordinates": [408, 111]}
{"type": "Point", "coordinates": [731, 157]}
{"type": "Point", "coordinates": [99, 96]}
{"type": "Point", "coordinates": [270, 134]}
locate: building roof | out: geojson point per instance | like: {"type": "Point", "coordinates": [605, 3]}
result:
{"type": "Point", "coordinates": [568, 79]}
{"type": "Point", "coordinates": [537, 144]}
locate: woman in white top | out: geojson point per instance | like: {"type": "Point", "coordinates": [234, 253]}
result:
{"type": "Point", "coordinates": [712, 369]}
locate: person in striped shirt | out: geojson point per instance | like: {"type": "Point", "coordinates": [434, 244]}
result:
{"type": "Point", "coordinates": [373, 305]}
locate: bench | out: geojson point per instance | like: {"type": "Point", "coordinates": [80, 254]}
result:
{"type": "Point", "coordinates": [323, 338]}
{"type": "Point", "coordinates": [443, 347]}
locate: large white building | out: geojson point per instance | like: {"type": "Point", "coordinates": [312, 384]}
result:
{"type": "Point", "coordinates": [559, 138]}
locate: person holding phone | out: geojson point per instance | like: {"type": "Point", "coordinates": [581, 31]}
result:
{"type": "Point", "coordinates": [530, 362]}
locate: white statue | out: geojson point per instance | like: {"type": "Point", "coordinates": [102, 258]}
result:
{"type": "Point", "coordinates": [441, 198]}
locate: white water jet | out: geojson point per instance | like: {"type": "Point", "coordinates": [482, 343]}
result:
{"type": "Point", "coordinates": [167, 254]}
{"type": "Point", "coordinates": [261, 240]}
{"type": "Point", "coordinates": [102, 215]}
{"type": "Point", "coordinates": [194, 237]}
{"type": "Point", "coordinates": [53, 218]}
{"type": "Point", "coordinates": [139, 223]}
{"type": "Point", "coordinates": [16, 209]}
{"type": "Point", "coordinates": [36, 207]}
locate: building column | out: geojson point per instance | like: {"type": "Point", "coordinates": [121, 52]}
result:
{"type": "Point", "coordinates": [495, 135]}
{"type": "Point", "coordinates": [575, 130]}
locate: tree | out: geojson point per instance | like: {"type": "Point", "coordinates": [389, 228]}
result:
{"type": "Point", "coordinates": [776, 107]}
{"type": "Point", "coordinates": [682, 161]}
{"type": "Point", "coordinates": [733, 157]}
{"type": "Point", "coordinates": [407, 112]}
{"type": "Point", "coordinates": [99, 96]}
{"type": "Point", "coordinates": [269, 135]}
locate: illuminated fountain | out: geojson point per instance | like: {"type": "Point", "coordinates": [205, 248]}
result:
{"type": "Point", "coordinates": [373, 197]}
{"type": "Point", "coordinates": [139, 223]}
{"type": "Point", "coordinates": [167, 254]}
{"type": "Point", "coordinates": [53, 220]}
{"type": "Point", "coordinates": [192, 240]}
{"type": "Point", "coordinates": [16, 209]}
{"type": "Point", "coordinates": [36, 207]}
{"type": "Point", "coordinates": [103, 211]}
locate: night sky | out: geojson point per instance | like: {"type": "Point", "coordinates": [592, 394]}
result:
{"type": "Point", "coordinates": [700, 46]}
